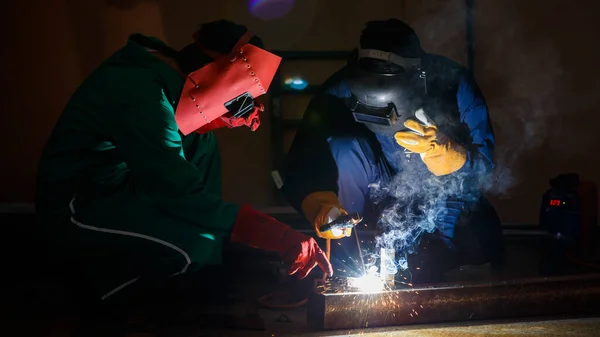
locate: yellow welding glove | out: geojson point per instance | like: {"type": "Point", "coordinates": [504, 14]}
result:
{"type": "Point", "coordinates": [441, 155]}
{"type": "Point", "coordinates": [321, 208]}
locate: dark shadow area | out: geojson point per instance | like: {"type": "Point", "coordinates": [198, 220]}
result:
{"type": "Point", "coordinates": [535, 75]}
{"type": "Point", "coordinates": [89, 29]}
{"type": "Point", "coordinates": [37, 288]}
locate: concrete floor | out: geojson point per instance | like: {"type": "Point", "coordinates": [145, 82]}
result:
{"type": "Point", "coordinates": [558, 328]}
{"type": "Point", "coordinates": [567, 327]}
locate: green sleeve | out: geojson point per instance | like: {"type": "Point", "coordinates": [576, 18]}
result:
{"type": "Point", "coordinates": [146, 135]}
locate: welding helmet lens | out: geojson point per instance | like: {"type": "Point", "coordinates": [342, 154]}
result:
{"type": "Point", "coordinates": [385, 116]}
{"type": "Point", "coordinates": [386, 89]}
{"type": "Point", "coordinates": [241, 106]}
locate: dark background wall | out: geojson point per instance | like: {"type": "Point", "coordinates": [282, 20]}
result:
{"type": "Point", "coordinates": [534, 63]}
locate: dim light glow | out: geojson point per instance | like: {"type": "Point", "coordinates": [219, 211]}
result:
{"type": "Point", "coordinates": [296, 83]}
{"type": "Point", "coordinates": [556, 202]}
{"type": "Point", "coordinates": [337, 231]}
{"type": "Point", "coordinates": [270, 9]}
{"type": "Point", "coordinates": [208, 236]}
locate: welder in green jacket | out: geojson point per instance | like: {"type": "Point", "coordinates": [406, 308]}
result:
{"type": "Point", "coordinates": [129, 183]}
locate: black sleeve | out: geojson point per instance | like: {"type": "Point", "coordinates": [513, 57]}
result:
{"type": "Point", "coordinates": [310, 166]}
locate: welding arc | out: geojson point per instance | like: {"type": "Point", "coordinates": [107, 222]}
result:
{"type": "Point", "coordinates": [344, 222]}
{"type": "Point", "coordinates": [362, 260]}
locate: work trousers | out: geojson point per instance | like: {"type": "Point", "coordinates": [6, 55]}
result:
{"type": "Point", "coordinates": [113, 239]}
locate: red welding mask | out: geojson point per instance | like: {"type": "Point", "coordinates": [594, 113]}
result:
{"type": "Point", "coordinates": [224, 93]}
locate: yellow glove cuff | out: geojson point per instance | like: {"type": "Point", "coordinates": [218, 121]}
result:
{"type": "Point", "coordinates": [445, 159]}
{"type": "Point", "coordinates": [316, 207]}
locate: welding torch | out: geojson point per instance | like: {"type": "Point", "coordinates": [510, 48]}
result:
{"type": "Point", "coordinates": [344, 222]}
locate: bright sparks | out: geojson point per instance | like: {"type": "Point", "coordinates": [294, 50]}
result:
{"type": "Point", "coordinates": [370, 283]}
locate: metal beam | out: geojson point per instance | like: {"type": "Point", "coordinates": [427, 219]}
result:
{"type": "Point", "coordinates": [579, 294]}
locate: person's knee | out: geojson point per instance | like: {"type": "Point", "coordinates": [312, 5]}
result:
{"type": "Point", "coordinates": [488, 228]}
{"type": "Point", "coordinates": [481, 241]}
{"type": "Point", "coordinates": [431, 260]}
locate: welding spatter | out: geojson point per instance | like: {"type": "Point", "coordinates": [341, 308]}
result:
{"type": "Point", "coordinates": [347, 222]}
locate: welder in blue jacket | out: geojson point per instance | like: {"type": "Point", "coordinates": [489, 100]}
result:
{"type": "Point", "coordinates": [404, 138]}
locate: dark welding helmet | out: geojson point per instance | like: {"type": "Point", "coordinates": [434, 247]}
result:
{"type": "Point", "coordinates": [386, 89]}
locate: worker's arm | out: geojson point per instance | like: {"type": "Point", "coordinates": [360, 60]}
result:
{"type": "Point", "coordinates": [311, 172]}
{"type": "Point", "coordinates": [310, 166]}
{"type": "Point", "coordinates": [474, 114]}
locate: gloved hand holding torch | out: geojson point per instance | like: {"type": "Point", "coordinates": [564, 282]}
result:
{"type": "Point", "coordinates": [321, 208]}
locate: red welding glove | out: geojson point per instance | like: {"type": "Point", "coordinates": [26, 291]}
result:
{"type": "Point", "coordinates": [261, 231]}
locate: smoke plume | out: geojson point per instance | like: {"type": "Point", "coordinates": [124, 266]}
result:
{"type": "Point", "coordinates": [413, 203]}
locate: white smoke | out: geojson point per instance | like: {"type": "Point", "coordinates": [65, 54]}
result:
{"type": "Point", "coordinates": [522, 89]}
{"type": "Point", "coordinates": [411, 204]}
